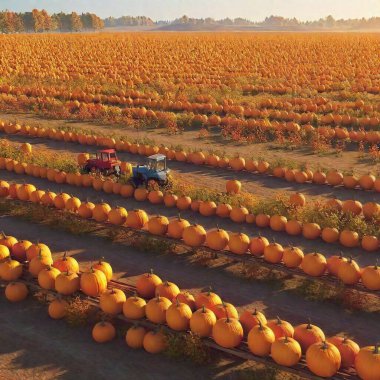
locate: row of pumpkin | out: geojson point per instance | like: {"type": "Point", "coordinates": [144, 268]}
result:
{"type": "Point", "coordinates": [312, 264]}
{"type": "Point", "coordinates": [333, 177]}
{"type": "Point", "coordinates": [278, 223]}
{"type": "Point", "coordinates": [205, 315]}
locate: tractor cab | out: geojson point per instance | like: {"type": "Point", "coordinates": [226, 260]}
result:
{"type": "Point", "coordinates": [105, 162]}
{"type": "Point", "coordinates": [155, 170]}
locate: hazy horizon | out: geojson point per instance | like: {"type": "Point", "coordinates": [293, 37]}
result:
{"type": "Point", "coordinates": [255, 10]}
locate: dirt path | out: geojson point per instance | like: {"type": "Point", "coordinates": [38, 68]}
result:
{"type": "Point", "coordinates": [129, 263]}
{"type": "Point", "coordinates": [203, 175]}
{"type": "Point", "coordinates": [35, 347]}
{"type": "Point", "coordinates": [362, 257]}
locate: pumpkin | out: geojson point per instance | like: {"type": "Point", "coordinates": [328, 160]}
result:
{"type": "Point", "coordinates": [292, 257]}
{"type": "Point", "coordinates": [352, 207]}
{"type": "Point", "coordinates": [207, 208]}
{"type": "Point", "coordinates": [101, 211]}
{"type": "Point", "coordinates": [137, 219]}
{"type": "Point", "coordinates": [281, 328]}
{"type": "Point", "coordinates": [349, 239]}
{"type": "Point", "coordinates": [223, 210]}
{"type": "Point", "coordinates": [225, 309]}
{"type": "Point", "coordinates": [183, 202]}
{"type": "Point", "coordinates": [187, 298]}
{"type": "Point", "coordinates": [167, 289]}
{"type": "Point", "coordinates": [217, 239]}
{"type": "Point", "coordinates": [207, 299]}
{"type": "Point", "coordinates": [60, 200]}
{"type": "Point", "coordinates": [134, 307]}
{"type": "Point", "coordinates": [307, 334]}
{"type": "Point", "coordinates": [297, 199]}
{"type": "Point", "coordinates": [127, 191]}
{"type": "Point", "coordinates": [105, 268]}
{"type": "Point", "coordinates": [58, 308]}
{"type": "Point", "coordinates": [4, 253]}
{"type": "Point", "coordinates": [146, 284]}
{"type": "Point", "coordinates": [158, 225]}
{"type": "Point", "coordinates": [16, 291]}
{"type": "Point", "coordinates": [333, 263]}
{"type": "Point", "coordinates": [367, 363]}
{"type": "Point", "coordinates": [36, 196]}
{"type": "Point", "coordinates": [67, 283]}
{"type": "Point", "coordinates": [117, 216]}
{"type": "Point", "coordinates": [155, 309]}
{"type": "Point", "coordinates": [260, 340]}
{"type": "Point", "coordinates": [348, 350]}
{"type": "Point", "coordinates": [250, 319]}
{"type": "Point", "coordinates": [273, 253]}
{"type": "Point", "coordinates": [311, 231]}
{"type": "Point", "coordinates": [262, 220]}
{"type": "Point", "coordinates": [370, 243]}
{"type": "Point", "coordinates": [286, 351]}
{"type": "Point", "coordinates": [178, 316]}
{"type": "Point", "coordinates": [112, 301]}
{"type": "Point", "coordinates": [176, 226]}
{"type": "Point", "coordinates": [227, 332]}
{"type": "Point", "coordinates": [37, 249]}
{"type": "Point", "coordinates": [155, 197]}
{"type": "Point", "coordinates": [371, 210]}
{"type": "Point", "coordinates": [48, 198]}
{"type": "Point", "coordinates": [233, 186]}
{"type": "Point", "coordinates": [170, 199]}
{"type": "Point", "coordinates": [73, 204]}
{"type": "Point", "coordinates": [293, 227]}
{"type": "Point", "coordinates": [370, 277]}
{"type": "Point", "coordinates": [66, 264]}
{"type": "Point", "coordinates": [38, 263]}
{"type": "Point", "coordinates": [349, 272]}
{"type": "Point", "coordinates": [194, 235]}
{"type": "Point", "coordinates": [237, 164]}
{"type": "Point", "coordinates": [257, 245]}
{"type": "Point", "coordinates": [314, 264]}
{"type": "Point", "coordinates": [47, 276]}
{"type": "Point", "coordinates": [323, 359]}
{"type": "Point", "coordinates": [18, 250]}
{"type": "Point", "coordinates": [367, 181]}
{"type": "Point", "coordinates": [277, 222]}
{"type": "Point", "coordinates": [103, 332]}
{"type": "Point", "coordinates": [24, 191]}
{"type": "Point", "coordinates": [85, 210]}
{"type": "Point", "coordinates": [135, 336]}
{"type": "Point", "coordinates": [155, 342]}
{"type": "Point", "coordinates": [238, 243]}
{"type": "Point", "coordinates": [93, 283]}
{"type": "Point", "coordinates": [10, 270]}
{"type": "Point", "coordinates": [330, 234]}
{"type": "Point", "coordinates": [334, 178]}
{"type": "Point", "coordinates": [202, 322]}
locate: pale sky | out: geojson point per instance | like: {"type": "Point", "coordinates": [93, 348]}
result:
{"type": "Point", "coordinates": [255, 10]}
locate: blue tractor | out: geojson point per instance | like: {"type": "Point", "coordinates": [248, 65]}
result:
{"type": "Point", "coordinates": [153, 172]}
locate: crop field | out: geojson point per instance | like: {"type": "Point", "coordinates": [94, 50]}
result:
{"type": "Point", "coordinates": [264, 237]}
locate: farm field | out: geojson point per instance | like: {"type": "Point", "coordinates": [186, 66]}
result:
{"type": "Point", "coordinates": [273, 201]}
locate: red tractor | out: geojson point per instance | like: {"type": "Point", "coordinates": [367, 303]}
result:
{"type": "Point", "coordinates": [105, 162]}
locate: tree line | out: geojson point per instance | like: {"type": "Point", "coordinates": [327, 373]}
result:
{"type": "Point", "coordinates": [40, 21]}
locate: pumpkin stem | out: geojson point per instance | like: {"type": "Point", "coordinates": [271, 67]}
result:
{"type": "Point", "coordinates": [260, 326]}
{"type": "Point", "coordinates": [227, 316]}
{"type": "Point", "coordinates": [254, 311]}
{"type": "Point", "coordinates": [203, 309]}
{"type": "Point", "coordinates": [64, 256]}
{"type": "Point", "coordinates": [324, 345]}
{"type": "Point", "coordinates": [101, 259]}
{"type": "Point", "coordinates": [376, 351]}
{"type": "Point", "coordinates": [279, 322]}
{"type": "Point", "coordinates": [150, 272]}
{"type": "Point", "coordinates": [309, 324]}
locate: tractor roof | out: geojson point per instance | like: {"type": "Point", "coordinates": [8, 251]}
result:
{"type": "Point", "coordinates": [157, 157]}
{"type": "Point", "coordinates": [107, 151]}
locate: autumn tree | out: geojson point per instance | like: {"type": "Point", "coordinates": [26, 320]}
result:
{"type": "Point", "coordinates": [76, 23]}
